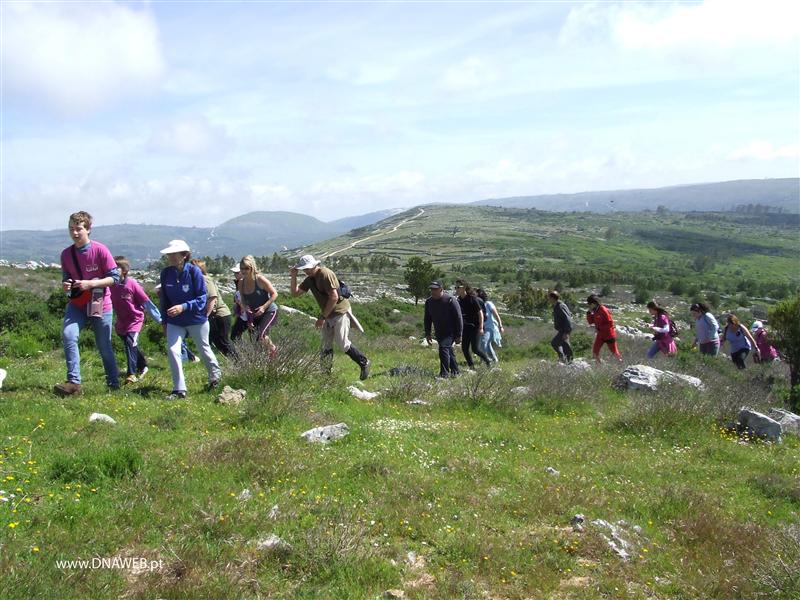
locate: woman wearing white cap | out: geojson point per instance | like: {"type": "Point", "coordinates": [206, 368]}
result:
{"type": "Point", "coordinates": [766, 351]}
{"type": "Point", "coordinates": [183, 307]}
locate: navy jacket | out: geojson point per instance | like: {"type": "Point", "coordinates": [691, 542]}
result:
{"type": "Point", "coordinates": [185, 286]}
{"type": "Point", "coordinates": [445, 316]}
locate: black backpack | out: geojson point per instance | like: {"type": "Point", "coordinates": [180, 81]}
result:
{"type": "Point", "coordinates": [344, 290]}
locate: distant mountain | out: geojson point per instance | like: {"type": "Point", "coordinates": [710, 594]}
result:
{"type": "Point", "coordinates": [726, 195]}
{"type": "Point", "coordinates": [258, 233]}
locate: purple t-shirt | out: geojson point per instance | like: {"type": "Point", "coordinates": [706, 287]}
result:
{"type": "Point", "coordinates": [128, 299]}
{"type": "Point", "coordinates": [95, 261]}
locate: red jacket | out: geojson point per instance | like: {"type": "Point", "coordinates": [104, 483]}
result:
{"type": "Point", "coordinates": [603, 322]}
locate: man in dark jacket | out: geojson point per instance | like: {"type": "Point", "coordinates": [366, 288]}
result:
{"type": "Point", "coordinates": [562, 321]}
{"type": "Point", "coordinates": [444, 313]}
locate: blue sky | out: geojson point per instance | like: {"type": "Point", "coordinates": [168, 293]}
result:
{"type": "Point", "coordinates": [191, 113]}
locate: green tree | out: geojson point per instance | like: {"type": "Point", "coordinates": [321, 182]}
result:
{"type": "Point", "coordinates": [784, 320]}
{"type": "Point", "coordinates": [418, 275]}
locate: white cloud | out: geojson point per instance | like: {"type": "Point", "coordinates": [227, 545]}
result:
{"type": "Point", "coordinates": [77, 57]}
{"type": "Point", "coordinates": [470, 73]}
{"type": "Point", "coordinates": [765, 151]}
{"type": "Point", "coordinates": [190, 136]}
{"type": "Point", "coordinates": [363, 74]}
{"type": "Point", "coordinates": [712, 28]}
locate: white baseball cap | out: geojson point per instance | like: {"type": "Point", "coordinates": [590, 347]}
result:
{"type": "Point", "coordinates": [306, 262]}
{"type": "Point", "coordinates": [235, 268]}
{"type": "Point", "coordinates": [756, 326]}
{"type": "Point", "coordinates": [176, 246]}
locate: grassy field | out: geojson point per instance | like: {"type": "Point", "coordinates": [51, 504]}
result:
{"type": "Point", "coordinates": [449, 499]}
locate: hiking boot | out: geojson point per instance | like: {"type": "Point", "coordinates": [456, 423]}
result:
{"type": "Point", "coordinates": [131, 379]}
{"type": "Point", "coordinates": [176, 395]}
{"type": "Point", "coordinates": [365, 370]}
{"type": "Point", "coordinates": [67, 388]}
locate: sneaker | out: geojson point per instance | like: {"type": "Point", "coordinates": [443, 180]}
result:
{"type": "Point", "coordinates": [195, 358]}
{"type": "Point", "coordinates": [67, 388]}
{"type": "Point", "coordinates": [143, 372]}
{"type": "Point", "coordinates": [176, 395]}
{"type": "Point", "coordinates": [273, 353]}
{"type": "Point", "coordinates": [131, 379]}
{"type": "Point", "coordinates": [213, 384]}
{"type": "Point", "coordinates": [365, 370]}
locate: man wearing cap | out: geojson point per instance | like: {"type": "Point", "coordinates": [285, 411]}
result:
{"type": "Point", "coordinates": [335, 314]}
{"type": "Point", "coordinates": [444, 313]}
{"type": "Point", "coordinates": [88, 269]}
{"type": "Point", "coordinates": [183, 307]}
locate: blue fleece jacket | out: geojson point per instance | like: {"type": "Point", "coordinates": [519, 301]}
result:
{"type": "Point", "coordinates": [187, 287]}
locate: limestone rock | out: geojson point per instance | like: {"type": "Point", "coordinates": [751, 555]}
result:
{"type": "Point", "coordinates": [790, 422]}
{"type": "Point", "coordinates": [394, 594]}
{"type": "Point", "coordinates": [618, 536]}
{"type": "Point", "coordinates": [231, 397]}
{"type": "Point", "coordinates": [760, 425]}
{"type": "Point", "coordinates": [551, 471]}
{"type": "Point", "coordinates": [362, 394]}
{"type": "Point", "coordinates": [521, 390]}
{"type": "Point", "coordinates": [244, 495]}
{"type": "Point", "coordinates": [95, 417]}
{"type": "Point", "coordinates": [644, 377]}
{"type": "Point", "coordinates": [273, 544]}
{"type": "Point", "coordinates": [3, 375]}
{"type": "Point", "coordinates": [577, 522]}
{"type": "Point", "coordinates": [273, 512]}
{"type": "Point", "coordinates": [418, 402]}
{"type": "Point", "coordinates": [326, 434]}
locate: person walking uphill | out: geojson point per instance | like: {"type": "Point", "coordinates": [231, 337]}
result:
{"type": "Point", "coordinates": [599, 316]}
{"type": "Point", "coordinates": [87, 271]}
{"type": "Point", "coordinates": [562, 322]}
{"type": "Point", "coordinates": [662, 331]}
{"type": "Point", "coordinates": [183, 308]}
{"type": "Point", "coordinates": [740, 340]}
{"type": "Point", "coordinates": [335, 313]}
{"type": "Point", "coordinates": [472, 316]}
{"type": "Point", "coordinates": [129, 301]}
{"type": "Point", "coordinates": [706, 329]}
{"type": "Point", "coordinates": [444, 313]}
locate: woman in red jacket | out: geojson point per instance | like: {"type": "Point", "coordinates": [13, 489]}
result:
{"type": "Point", "coordinates": [599, 316]}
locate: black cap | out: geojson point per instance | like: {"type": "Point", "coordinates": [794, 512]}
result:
{"type": "Point", "coordinates": [435, 285]}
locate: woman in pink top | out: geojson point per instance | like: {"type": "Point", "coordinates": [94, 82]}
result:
{"type": "Point", "coordinates": [662, 340]}
{"type": "Point", "coordinates": [767, 353]}
{"type": "Point", "coordinates": [129, 299]}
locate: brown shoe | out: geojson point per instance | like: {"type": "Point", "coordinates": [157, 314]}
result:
{"type": "Point", "coordinates": [67, 389]}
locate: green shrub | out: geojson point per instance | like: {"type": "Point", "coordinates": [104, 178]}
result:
{"type": "Point", "coordinates": [90, 466]}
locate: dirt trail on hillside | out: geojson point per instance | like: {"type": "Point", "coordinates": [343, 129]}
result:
{"type": "Point", "coordinates": [374, 235]}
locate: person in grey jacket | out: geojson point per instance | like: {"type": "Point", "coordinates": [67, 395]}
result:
{"type": "Point", "coordinates": [562, 321]}
{"type": "Point", "coordinates": [444, 312]}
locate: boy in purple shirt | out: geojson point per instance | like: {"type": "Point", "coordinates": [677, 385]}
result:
{"type": "Point", "coordinates": [87, 271]}
{"type": "Point", "coordinates": [129, 300]}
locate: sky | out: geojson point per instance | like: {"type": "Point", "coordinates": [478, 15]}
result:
{"type": "Point", "coordinates": [192, 113]}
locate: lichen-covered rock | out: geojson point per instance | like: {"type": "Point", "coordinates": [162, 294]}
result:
{"type": "Point", "coordinates": [790, 422]}
{"type": "Point", "coordinates": [644, 377]}
{"type": "Point", "coordinates": [326, 434]}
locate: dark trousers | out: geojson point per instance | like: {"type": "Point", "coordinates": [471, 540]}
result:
{"type": "Point", "coordinates": [239, 327]}
{"type": "Point", "coordinates": [219, 333]}
{"type": "Point", "coordinates": [448, 367]}
{"type": "Point", "coordinates": [471, 341]}
{"type": "Point", "coordinates": [134, 356]}
{"type": "Point", "coordinates": [739, 357]}
{"type": "Point", "coordinates": [562, 346]}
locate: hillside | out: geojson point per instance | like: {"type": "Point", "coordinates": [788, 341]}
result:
{"type": "Point", "coordinates": [258, 233]}
{"type": "Point", "coordinates": [782, 194]}
{"type": "Point", "coordinates": [503, 244]}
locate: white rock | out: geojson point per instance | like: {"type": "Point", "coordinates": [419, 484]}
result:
{"type": "Point", "coordinates": [273, 512]}
{"type": "Point", "coordinates": [272, 543]}
{"type": "Point", "coordinates": [3, 375]}
{"type": "Point", "coordinates": [362, 394]}
{"type": "Point", "coordinates": [231, 397]}
{"type": "Point", "coordinates": [521, 390]}
{"type": "Point", "coordinates": [244, 495]}
{"type": "Point", "coordinates": [326, 434]}
{"type": "Point", "coordinates": [760, 424]}
{"type": "Point", "coordinates": [551, 471]}
{"type": "Point", "coordinates": [94, 417]}
{"type": "Point", "coordinates": [790, 422]}
{"type": "Point", "coordinates": [418, 401]}
{"type": "Point", "coordinates": [644, 377]}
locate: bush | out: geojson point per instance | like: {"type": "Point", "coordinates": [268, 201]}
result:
{"type": "Point", "coordinates": [29, 324]}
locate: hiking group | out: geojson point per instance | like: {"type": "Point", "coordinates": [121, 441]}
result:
{"type": "Point", "coordinates": [190, 306]}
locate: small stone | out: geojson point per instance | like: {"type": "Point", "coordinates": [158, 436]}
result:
{"type": "Point", "coordinates": [272, 543]}
{"type": "Point", "coordinates": [362, 394]}
{"type": "Point", "coordinates": [394, 594]}
{"type": "Point", "coordinates": [95, 417]}
{"type": "Point", "coordinates": [244, 495]}
{"type": "Point", "coordinates": [3, 375]}
{"type": "Point", "coordinates": [273, 512]}
{"type": "Point", "coordinates": [231, 397]}
{"type": "Point", "coordinates": [551, 471]}
{"type": "Point", "coordinates": [577, 522]}
{"type": "Point", "coordinates": [326, 434]}
{"type": "Point", "coordinates": [418, 401]}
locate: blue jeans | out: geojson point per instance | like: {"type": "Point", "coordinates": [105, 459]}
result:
{"type": "Point", "coordinates": [76, 319]}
